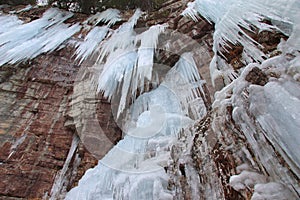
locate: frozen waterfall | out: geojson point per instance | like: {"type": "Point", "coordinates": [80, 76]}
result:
{"type": "Point", "coordinates": [134, 168]}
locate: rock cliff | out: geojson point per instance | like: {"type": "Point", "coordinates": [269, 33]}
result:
{"type": "Point", "coordinates": [222, 156]}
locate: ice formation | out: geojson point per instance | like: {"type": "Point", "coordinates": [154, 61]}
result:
{"type": "Point", "coordinates": [266, 112]}
{"type": "Point", "coordinates": [246, 179]}
{"type": "Point", "coordinates": [8, 22]}
{"type": "Point", "coordinates": [109, 17]}
{"type": "Point", "coordinates": [233, 19]}
{"type": "Point", "coordinates": [96, 34]}
{"type": "Point", "coordinates": [271, 190]}
{"type": "Point", "coordinates": [90, 43]}
{"type": "Point", "coordinates": [126, 66]}
{"type": "Point", "coordinates": [122, 37]}
{"type": "Point", "coordinates": [59, 186]}
{"type": "Point", "coordinates": [133, 169]}
{"type": "Point", "coordinates": [39, 36]}
{"type": "Point", "coordinates": [121, 58]}
{"type": "Point", "coordinates": [148, 41]}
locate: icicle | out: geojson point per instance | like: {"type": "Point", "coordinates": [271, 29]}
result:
{"type": "Point", "coordinates": [232, 18]}
{"type": "Point", "coordinates": [122, 38]}
{"type": "Point", "coordinates": [117, 65]}
{"type": "Point", "coordinates": [39, 36]}
{"type": "Point", "coordinates": [190, 83]}
{"type": "Point", "coordinates": [8, 22]}
{"type": "Point", "coordinates": [109, 16]}
{"type": "Point", "coordinates": [91, 42]}
{"type": "Point", "coordinates": [96, 35]}
{"type": "Point", "coordinates": [149, 41]}
{"type": "Point", "coordinates": [27, 8]}
{"type": "Point", "coordinates": [191, 11]}
{"type": "Point", "coordinates": [59, 185]}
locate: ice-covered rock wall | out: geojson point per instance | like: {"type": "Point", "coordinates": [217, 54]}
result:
{"type": "Point", "coordinates": [247, 146]}
{"type": "Point", "coordinates": [176, 143]}
{"type": "Point", "coordinates": [134, 168]}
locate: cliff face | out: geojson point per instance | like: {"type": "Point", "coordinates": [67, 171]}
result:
{"type": "Point", "coordinates": [34, 140]}
{"type": "Point", "coordinates": [43, 130]}
{"type": "Point", "coordinates": [37, 119]}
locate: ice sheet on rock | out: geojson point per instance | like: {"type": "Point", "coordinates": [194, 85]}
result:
{"type": "Point", "coordinates": [276, 107]}
{"type": "Point", "coordinates": [8, 22]}
{"type": "Point", "coordinates": [39, 36]}
{"type": "Point", "coordinates": [124, 173]}
{"type": "Point", "coordinates": [267, 115]}
{"type": "Point", "coordinates": [272, 190]}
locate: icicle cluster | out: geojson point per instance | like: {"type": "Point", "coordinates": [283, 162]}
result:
{"type": "Point", "coordinates": [90, 43]}
{"type": "Point", "coordinates": [233, 18]}
{"type": "Point", "coordinates": [267, 113]}
{"type": "Point", "coordinates": [109, 17]}
{"type": "Point", "coordinates": [133, 169]}
{"type": "Point", "coordinates": [96, 34]}
{"type": "Point", "coordinates": [21, 42]}
{"type": "Point", "coordinates": [126, 66]}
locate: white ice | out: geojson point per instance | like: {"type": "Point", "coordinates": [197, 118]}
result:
{"type": "Point", "coordinates": [21, 42]}
{"type": "Point", "coordinates": [133, 169]}
{"type": "Point", "coordinates": [232, 18]}
{"type": "Point", "coordinates": [91, 43]}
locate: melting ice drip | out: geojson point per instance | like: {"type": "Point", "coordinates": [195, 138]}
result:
{"type": "Point", "coordinates": [134, 168]}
